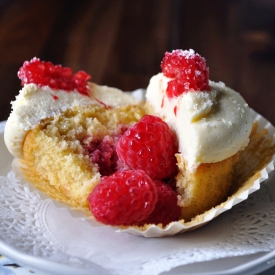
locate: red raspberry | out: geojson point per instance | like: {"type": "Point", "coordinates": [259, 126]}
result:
{"type": "Point", "coordinates": [189, 70]}
{"type": "Point", "coordinates": [149, 145]}
{"type": "Point", "coordinates": [124, 198]}
{"type": "Point", "coordinates": [54, 76]}
{"type": "Point", "coordinates": [166, 209]}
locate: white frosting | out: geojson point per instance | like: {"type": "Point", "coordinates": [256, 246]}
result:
{"type": "Point", "coordinates": [211, 125]}
{"type": "Point", "coordinates": [111, 96]}
{"type": "Point", "coordinates": [35, 103]}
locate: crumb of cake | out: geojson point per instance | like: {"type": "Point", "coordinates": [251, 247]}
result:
{"type": "Point", "coordinates": [54, 76]}
{"type": "Point", "coordinates": [206, 188]}
{"type": "Point", "coordinates": [54, 153]}
{"type": "Point", "coordinates": [124, 198]}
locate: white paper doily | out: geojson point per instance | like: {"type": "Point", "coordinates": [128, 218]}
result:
{"type": "Point", "coordinates": [37, 227]}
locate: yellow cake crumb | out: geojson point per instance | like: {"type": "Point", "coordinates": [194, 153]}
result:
{"type": "Point", "coordinates": [53, 152]}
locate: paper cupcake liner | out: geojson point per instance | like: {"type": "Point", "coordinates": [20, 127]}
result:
{"type": "Point", "coordinates": [264, 164]}
{"type": "Point", "coordinates": [178, 227]}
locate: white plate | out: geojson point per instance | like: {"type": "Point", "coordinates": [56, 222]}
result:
{"type": "Point", "coordinates": [251, 264]}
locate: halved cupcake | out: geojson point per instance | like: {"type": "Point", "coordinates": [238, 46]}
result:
{"type": "Point", "coordinates": [64, 130]}
{"type": "Point", "coordinates": [212, 123]}
{"type": "Point", "coordinates": [100, 150]}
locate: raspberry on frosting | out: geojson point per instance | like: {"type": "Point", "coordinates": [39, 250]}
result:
{"type": "Point", "coordinates": [124, 198]}
{"type": "Point", "coordinates": [55, 76]}
{"type": "Point", "coordinates": [187, 70]}
{"type": "Point", "coordinates": [149, 145]}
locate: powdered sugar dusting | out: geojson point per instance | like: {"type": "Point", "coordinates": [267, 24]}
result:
{"type": "Point", "coordinates": [186, 53]}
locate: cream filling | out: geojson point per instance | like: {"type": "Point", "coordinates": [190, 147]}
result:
{"type": "Point", "coordinates": [211, 125]}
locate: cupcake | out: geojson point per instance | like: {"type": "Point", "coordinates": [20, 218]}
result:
{"type": "Point", "coordinates": [212, 123]}
{"type": "Point", "coordinates": [63, 129]}
{"type": "Point", "coordinates": [154, 169]}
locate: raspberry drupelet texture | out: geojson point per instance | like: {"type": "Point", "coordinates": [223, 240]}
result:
{"type": "Point", "coordinates": [188, 71]}
{"type": "Point", "coordinates": [166, 209]}
{"type": "Point", "coordinates": [54, 76]}
{"type": "Point", "coordinates": [124, 198]}
{"type": "Point", "coordinates": [149, 145]}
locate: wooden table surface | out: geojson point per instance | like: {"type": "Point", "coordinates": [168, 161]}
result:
{"type": "Point", "coordinates": [121, 43]}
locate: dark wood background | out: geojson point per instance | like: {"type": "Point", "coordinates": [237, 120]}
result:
{"type": "Point", "coordinates": [121, 42]}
